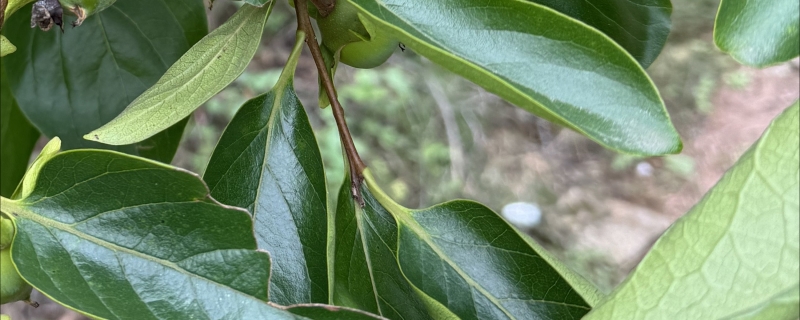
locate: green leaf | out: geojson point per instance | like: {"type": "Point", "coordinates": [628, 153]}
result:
{"type": "Point", "coordinates": [17, 138]}
{"type": "Point", "coordinates": [326, 312]}
{"type": "Point", "coordinates": [6, 47]}
{"type": "Point", "coordinates": [474, 263]}
{"type": "Point", "coordinates": [588, 291]}
{"type": "Point", "coordinates": [257, 3]}
{"type": "Point", "coordinates": [14, 5]}
{"type": "Point", "coordinates": [119, 237]}
{"type": "Point", "coordinates": [639, 26]}
{"type": "Point", "coordinates": [784, 305]}
{"type": "Point", "coordinates": [68, 84]}
{"type": "Point", "coordinates": [542, 61]}
{"type": "Point", "coordinates": [758, 32]}
{"type": "Point", "coordinates": [736, 252]}
{"type": "Point", "coordinates": [364, 270]}
{"type": "Point", "coordinates": [206, 69]}
{"type": "Point", "coordinates": [29, 180]}
{"type": "Point", "coordinates": [268, 162]}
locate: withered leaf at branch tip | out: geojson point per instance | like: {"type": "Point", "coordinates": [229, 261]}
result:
{"type": "Point", "coordinates": [46, 13]}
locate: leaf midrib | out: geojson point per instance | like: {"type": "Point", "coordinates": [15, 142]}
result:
{"type": "Point", "coordinates": [514, 89]}
{"type": "Point", "coordinates": [360, 225]}
{"type": "Point", "coordinates": [412, 225]}
{"type": "Point", "coordinates": [24, 213]}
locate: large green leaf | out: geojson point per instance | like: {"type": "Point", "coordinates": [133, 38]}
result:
{"type": "Point", "coordinates": [639, 26]}
{"type": "Point", "coordinates": [364, 270]}
{"type": "Point", "coordinates": [541, 60]}
{"type": "Point", "coordinates": [68, 84]}
{"type": "Point", "coordinates": [737, 252]}
{"type": "Point", "coordinates": [120, 237]}
{"type": "Point", "coordinates": [758, 32]}
{"type": "Point", "coordinates": [475, 264]}
{"type": "Point", "coordinates": [268, 162]}
{"type": "Point", "coordinates": [17, 138]}
{"type": "Point", "coordinates": [210, 66]}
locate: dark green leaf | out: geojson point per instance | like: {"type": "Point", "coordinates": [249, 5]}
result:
{"type": "Point", "coordinates": [210, 66]}
{"type": "Point", "coordinates": [365, 272]}
{"type": "Point", "coordinates": [120, 237]}
{"type": "Point", "coordinates": [326, 312]}
{"type": "Point", "coordinates": [268, 162]}
{"type": "Point", "coordinates": [758, 32]}
{"type": "Point", "coordinates": [71, 83]}
{"type": "Point", "coordinates": [639, 26]}
{"type": "Point", "coordinates": [540, 60]}
{"type": "Point", "coordinates": [17, 138]}
{"type": "Point", "coordinates": [475, 264]}
{"type": "Point", "coordinates": [736, 252]}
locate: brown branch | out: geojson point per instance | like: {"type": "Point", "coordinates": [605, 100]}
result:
{"type": "Point", "coordinates": [354, 160]}
{"type": "Point", "coordinates": [325, 7]}
{"type": "Point", "coordinates": [3, 6]}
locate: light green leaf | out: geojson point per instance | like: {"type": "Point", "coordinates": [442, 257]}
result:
{"type": "Point", "coordinates": [207, 68]}
{"type": "Point", "coordinates": [785, 305]}
{"type": "Point", "coordinates": [6, 47]}
{"type": "Point", "coordinates": [737, 252]}
{"type": "Point", "coordinates": [29, 180]}
{"type": "Point", "coordinates": [758, 32]}
{"type": "Point", "coordinates": [14, 5]}
{"type": "Point", "coordinates": [543, 61]}
{"type": "Point", "coordinates": [268, 162]}
{"type": "Point", "coordinates": [257, 3]}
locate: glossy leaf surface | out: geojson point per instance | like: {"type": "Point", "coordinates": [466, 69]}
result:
{"type": "Point", "coordinates": [365, 272]}
{"type": "Point", "coordinates": [540, 60]}
{"type": "Point", "coordinates": [17, 138]}
{"type": "Point", "coordinates": [268, 162]}
{"type": "Point", "coordinates": [736, 252]}
{"type": "Point", "coordinates": [475, 264]}
{"type": "Point", "coordinates": [69, 84]}
{"type": "Point", "coordinates": [639, 26]}
{"type": "Point", "coordinates": [120, 237]}
{"type": "Point", "coordinates": [207, 68]}
{"type": "Point", "coordinates": [758, 32]}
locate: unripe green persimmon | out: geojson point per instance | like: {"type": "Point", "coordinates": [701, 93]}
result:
{"type": "Point", "coordinates": [341, 26]}
{"type": "Point", "coordinates": [12, 286]}
{"type": "Point", "coordinates": [368, 54]}
{"type": "Point", "coordinates": [6, 232]}
{"type": "Point", "coordinates": [361, 44]}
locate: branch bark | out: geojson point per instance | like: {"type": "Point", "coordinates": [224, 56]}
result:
{"type": "Point", "coordinates": [355, 163]}
{"type": "Point", "coordinates": [325, 7]}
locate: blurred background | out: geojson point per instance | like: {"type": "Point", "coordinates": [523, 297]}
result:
{"type": "Point", "coordinates": [429, 136]}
